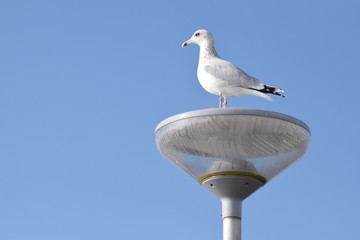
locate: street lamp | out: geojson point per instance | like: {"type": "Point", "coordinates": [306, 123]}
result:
{"type": "Point", "coordinates": [232, 152]}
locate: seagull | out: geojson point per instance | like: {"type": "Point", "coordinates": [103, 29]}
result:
{"type": "Point", "coordinates": [223, 78]}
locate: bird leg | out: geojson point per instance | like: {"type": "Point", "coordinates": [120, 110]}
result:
{"type": "Point", "coordinates": [223, 101]}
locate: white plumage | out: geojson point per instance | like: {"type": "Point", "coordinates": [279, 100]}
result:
{"type": "Point", "coordinates": [223, 78]}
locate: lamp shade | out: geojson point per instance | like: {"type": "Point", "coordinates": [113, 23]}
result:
{"type": "Point", "coordinates": [234, 141]}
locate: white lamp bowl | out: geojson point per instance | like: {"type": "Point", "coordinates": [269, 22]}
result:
{"type": "Point", "coordinates": [232, 141]}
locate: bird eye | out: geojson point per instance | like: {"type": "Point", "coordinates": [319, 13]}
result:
{"type": "Point", "coordinates": [197, 34]}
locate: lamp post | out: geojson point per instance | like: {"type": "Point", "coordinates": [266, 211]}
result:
{"type": "Point", "coordinates": [232, 152]}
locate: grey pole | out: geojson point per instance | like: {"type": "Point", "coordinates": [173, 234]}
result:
{"type": "Point", "coordinates": [232, 190]}
{"type": "Point", "coordinates": [231, 222]}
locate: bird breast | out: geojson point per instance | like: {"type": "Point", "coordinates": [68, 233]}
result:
{"type": "Point", "coordinates": [209, 82]}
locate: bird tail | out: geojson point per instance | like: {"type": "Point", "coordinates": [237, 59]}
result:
{"type": "Point", "coordinates": [256, 92]}
{"type": "Point", "coordinates": [272, 90]}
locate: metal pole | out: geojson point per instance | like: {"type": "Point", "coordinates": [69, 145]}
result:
{"type": "Point", "coordinates": [231, 214]}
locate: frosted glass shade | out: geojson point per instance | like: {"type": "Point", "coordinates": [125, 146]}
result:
{"type": "Point", "coordinates": [246, 141]}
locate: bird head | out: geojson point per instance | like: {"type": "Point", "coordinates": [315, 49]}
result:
{"type": "Point", "coordinates": [200, 37]}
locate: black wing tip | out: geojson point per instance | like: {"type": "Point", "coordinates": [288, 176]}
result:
{"type": "Point", "coordinates": [271, 90]}
{"type": "Point", "coordinates": [276, 93]}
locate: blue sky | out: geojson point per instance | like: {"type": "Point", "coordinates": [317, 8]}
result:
{"type": "Point", "coordinates": [83, 85]}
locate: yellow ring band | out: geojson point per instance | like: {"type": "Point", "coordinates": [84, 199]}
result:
{"type": "Point", "coordinates": [230, 173]}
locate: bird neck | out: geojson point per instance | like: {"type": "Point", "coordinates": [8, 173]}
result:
{"type": "Point", "coordinates": [208, 51]}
